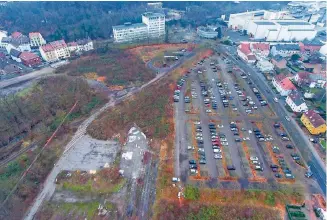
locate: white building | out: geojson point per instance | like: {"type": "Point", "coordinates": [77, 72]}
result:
{"type": "Point", "coordinates": [245, 53]}
{"type": "Point", "coordinates": [36, 39]}
{"type": "Point", "coordinates": [155, 23]}
{"type": "Point", "coordinates": [295, 101]}
{"type": "Point", "coordinates": [80, 45]}
{"type": "Point", "coordinates": [55, 51]}
{"type": "Point", "coordinates": [265, 66]}
{"type": "Point", "coordinates": [283, 85]}
{"type": "Point", "coordinates": [206, 32]}
{"type": "Point", "coordinates": [281, 30]}
{"type": "Point", "coordinates": [241, 21]}
{"type": "Point", "coordinates": [285, 50]}
{"type": "Point", "coordinates": [152, 26]}
{"type": "Point", "coordinates": [21, 43]}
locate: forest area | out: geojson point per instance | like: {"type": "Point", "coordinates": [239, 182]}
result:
{"type": "Point", "coordinates": [78, 20]}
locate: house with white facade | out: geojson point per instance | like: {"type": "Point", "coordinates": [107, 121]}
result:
{"type": "Point", "coordinates": [55, 51]}
{"type": "Point", "coordinates": [245, 53]}
{"type": "Point", "coordinates": [36, 39]}
{"type": "Point", "coordinates": [283, 85]}
{"type": "Point", "coordinates": [14, 54]}
{"type": "Point", "coordinates": [265, 66]}
{"type": "Point", "coordinates": [80, 45]}
{"type": "Point", "coordinates": [21, 43]}
{"type": "Point", "coordinates": [296, 102]}
{"type": "Point", "coordinates": [285, 50]}
{"type": "Point", "coordinates": [260, 50]}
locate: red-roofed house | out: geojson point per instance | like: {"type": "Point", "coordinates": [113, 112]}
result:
{"type": "Point", "coordinates": [244, 52]}
{"type": "Point", "coordinates": [310, 46]}
{"type": "Point", "coordinates": [36, 39]}
{"type": "Point", "coordinates": [260, 49]}
{"type": "Point", "coordinates": [283, 85]}
{"type": "Point", "coordinates": [30, 59]}
{"type": "Point", "coordinates": [302, 78]}
{"type": "Point", "coordinates": [54, 51]}
{"type": "Point", "coordinates": [313, 122]}
{"type": "Point", "coordinates": [16, 34]}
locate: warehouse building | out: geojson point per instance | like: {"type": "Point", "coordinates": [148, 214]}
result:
{"type": "Point", "coordinates": [281, 30]}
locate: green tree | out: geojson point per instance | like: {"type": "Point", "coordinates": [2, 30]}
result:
{"type": "Point", "coordinates": [295, 57]}
{"type": "Point", "coordinates": [219, 35]}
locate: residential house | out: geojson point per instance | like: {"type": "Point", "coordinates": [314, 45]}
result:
{"type": "Point", "coordinates": [16, 34]}
{"type": "Point", "coordinates": [36, 39]}
{"type": "Point", "coordinates": [310, 47]}
{"type": "Point", "coordinates": [72, 46]}
{"type": "Point", "coordinates": [265, 66]}
{"type": "Point", "coordinates": [21, 43]}
{"type": "Point", "coordinates": [55, 51]}
{"type": "Point", "coordinates": [283, 84]}
{"type": "Point", "coordinates": [296, 102]}
{"type": "Point", "coordinates": [30, 59]}
{"type": "Point", "coordinates": [313, 122]}
{"type": "Point", "coordinates": [260, 50]}
{"type": "Point", "coordinates": [14, 54]}
{"type": "Point", "coordinates": [302, 78]}
{"type": "Point", "coordinates": [85, 45]}
{"type": "Point", "coordinates": [279, 62]}
{"type": "Point", "coordinates": [285, 50]}
{"type": "Point", "coordinates": [244, 52]}
{"type": "Point", "coordinates": [4, 42]}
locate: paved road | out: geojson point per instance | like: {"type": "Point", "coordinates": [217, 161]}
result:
{"type": "Point", "coordinates": [27, 77]}
{"type": "Point", "coordinates": [299, 138]}
{"type": "Point", "coordinates": [49, 184]}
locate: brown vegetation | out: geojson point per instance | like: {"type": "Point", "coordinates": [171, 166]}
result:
{"type": "Point", "coordinates": [119, 67]}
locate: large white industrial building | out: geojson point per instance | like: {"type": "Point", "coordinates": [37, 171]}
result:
{"type": "Point", "coordinates": [241, 21]}
{"type": "Point", "coordinates": [152, 26]}
{"type": "Point", "coordinates": [281, 30]}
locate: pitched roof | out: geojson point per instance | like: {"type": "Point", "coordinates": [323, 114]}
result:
{"type": "Point", "coordinates": [315, 119]}
{"type": "Point", "coordinates": [278, 58]}
{"type": "Point", "coordinates": [27, 56]}
{"type": "Point", "coordinates": [314, 42]}
{"type": "Point", "coordinates": [34, 34]}
{"type": "Point", "coordinates": [245, 48]}
{"type": "Point", "coordinates": [15, 53]}
{"type": "Point", "coordinates": [251, 57]}
{"type": "Point", "coordinates": [72, 44]}
{"type": "Point", "coordinates": [260, 46]}
{"type": "Point", "coordinates": [303, 75]}
{"type": "Point", "coordinates": [279, 77]}
{"type": "Point", "coordinates": [284, 82]}
{"type": "Point", "coordinates": [296, 98]}
{"type": "Point", "coordinates": [20, 40]}
{"type": "Point", "coordinates": [54, 45]}
{"type": "Point", "coordinates": [16, 34]}
{"type": "Point", "coordinates": [83, 41]}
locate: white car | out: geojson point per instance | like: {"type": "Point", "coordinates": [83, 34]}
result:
{"type": "Point", "coordinates": [197, 122]}
{"type": "Point", "coordinates": [224, 143]}
{"type": "Point", "coordinates": [193, 171]}
{"type": "Point", "coordinates": [218, 156]}
{"type": "Point", "coordinates": [216, 150]}
{"type": "Point", "coordinates": [223, 139]}
{"type": "Point", "coordinates": [208, 111]}
{"type": "Point", "coordinates": [213, 137]}
{"type": "Point", "coordinates": [254, 158]}
{"type": "Point", "coordinates": [287, 118]}
{"type": "Point", "coordinates": [234, 109]}
{"type": "Point", "coordinates": [255, 162]}
{"type": "Point", "coordinates": [190, 148]}
{"type": "Point", "coordinates": [247, 138]}
{"type": "Point", "coordinates": [199, 134]}
{"type": "Point", "coordinates": [220, 126]}
{"type": "Point", "coordinates": [199, 138]}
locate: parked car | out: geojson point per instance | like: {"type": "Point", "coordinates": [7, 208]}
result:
{"type": "Point", "coordinates": [231, 167]}
{"type": "Point", "coordinates": [218, 156]}
{"type": "Point", "coordinates": [289, 146]}
{"type": "Point", "coordinates": [254, 158]}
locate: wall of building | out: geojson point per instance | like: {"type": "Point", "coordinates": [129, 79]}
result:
{"type": "Point", "coordinates": [130, 34]}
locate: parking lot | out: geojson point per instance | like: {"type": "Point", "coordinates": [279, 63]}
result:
{"type": "Point", "coordinates": [226, 130]}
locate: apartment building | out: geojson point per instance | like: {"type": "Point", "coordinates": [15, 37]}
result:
{"type": "Point", "coordinates": [152, 26]}
{"type": "Point", "coordinates": [36, 39]}
{"type": "Point", "coordinates": [313, 122]}
{"type": "Point", "coordinates": [296, 102]}
{"type": "Point", "coordinates": [155, 23]}
{"type": "Point", "coordinates": [55, 51]}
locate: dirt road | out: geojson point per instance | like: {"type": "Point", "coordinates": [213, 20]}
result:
{"type": "Point", "coordinates": [49, 184]}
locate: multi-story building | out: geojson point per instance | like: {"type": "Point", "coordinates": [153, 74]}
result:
{"type": "Point", "coordinates": [152, 26]}
{"type": "Point", "coordinates": [21, 43]}
{"type": "Point", "coordinates": [313, 122]}
{"type": "Point", "coordinates": [36, 39]}
{"type": "Point", "coordinates": [130, 32]}
{"type": "Point", "coordinates": [54, 51]}
{"type": "Point", "coordinates": [296, 102]}
{"type": "Point", "coordinates": [30, 59]}
{"type": "Point", "coordinates": [155, 23]}
{"type": "Point", "coordinates": [80, 45]}
{"type": "Point", "coordinates": [283, 85]}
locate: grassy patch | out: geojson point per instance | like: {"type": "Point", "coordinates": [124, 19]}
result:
{"type": "Point", "coordinates": [192, 192]}
{"type": "Point", "coordinates": [323, 144]}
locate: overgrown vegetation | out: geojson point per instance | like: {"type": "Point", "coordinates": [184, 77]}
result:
{"type": "Point", "coordinates": [116, 66]}
{"type": "Point", "coordinates": [41, 110]}
{"type": "Point", "coordinates": [106, 181]}
{"type": "Point", "coordinates": [192, 192]}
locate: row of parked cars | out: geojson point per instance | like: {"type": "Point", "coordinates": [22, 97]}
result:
{"type": "Point", "coordinates": [224, 93]}
{"type": "Point", "coordinates": [216, 141]}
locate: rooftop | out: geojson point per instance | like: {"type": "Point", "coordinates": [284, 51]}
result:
{"type": "Point", "coordinates": [278, 58]}
{"type": "Point", "coordinates": [260, 46]}
{"type": "Point", "coordinates": [27, 56]}
{"type": "Point", "coordinates": [286, 84]}
{"type": "Point", "coordinates": [296, 98]}
{"type": "Point", "coordinates": [54, 45]}
{"type": "Point", "coordinates": [245, 48]}
{"type": "Point", "coordinates": [285, 23]}
{"type": "Point", "coordinates": [264, 23]}
{"type": "Point", "coordinates": [15, 53]}
{"type": "Point", "coordinates": [16, 34]}
{"type": "Point", "coordinates": [152, 14]}
{"type": "Point", "coordinates": [128, 26]}
{"type": "Point", "coordinates": [287, 47]}
{"type": "Point", "coordinates": [34, 34]}
{"type": "Point", "coordinates": [303, 75]}
{"type": "Point", "coordinates": [315, 119]}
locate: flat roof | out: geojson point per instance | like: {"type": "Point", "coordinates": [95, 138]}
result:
{"type": "Point", "coordinates": [293, 23]}
{"type": "Point", "coordinates": [152, 14]}
{"type": "Point", "coordinates": [127, 26]}
{"type": "Point", "coordinates": [301, 29]}
{"type": "Point", "coordinates": [264, 23]}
